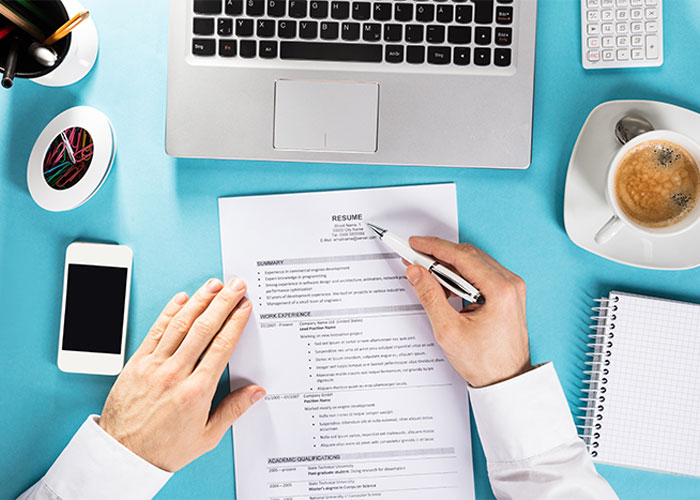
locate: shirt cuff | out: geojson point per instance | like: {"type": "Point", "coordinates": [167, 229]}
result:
{"type": "Point", "coordinates": [95, 465]}
{"type": "Point", "coordinates": [524, 416]}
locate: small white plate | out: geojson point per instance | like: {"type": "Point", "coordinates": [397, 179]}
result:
{"type": "Point", "coordinates": [585, 206]}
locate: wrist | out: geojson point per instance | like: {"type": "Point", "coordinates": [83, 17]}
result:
{"type": "Point", "coordinates": [486, 377]}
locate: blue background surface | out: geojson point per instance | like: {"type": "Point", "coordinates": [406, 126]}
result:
{"type": "Point", "coordinates": [166, 210]}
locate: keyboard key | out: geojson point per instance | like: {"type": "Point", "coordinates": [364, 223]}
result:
{"type": "Point", "coordinates": [224, 26]}
{"type": "Point", "coordinates": [482, 56]}
{"type": "Point", "coordinates": [244, 27]}
{"type": "Point", "coordinates": [371, 32]}
{"type": "Point", "coordinates": [637, 54]}
{"type": "Point", "coordinates": [414, 33]}
{"type": "Point", "coordinates": [462, 56]}
{"type": "Point", "coordinates": [444, 14]}
{"type": "Point", "coordinates": [203, 26]}
{"type": "Point", "coordinates": [403, 12]}
{"type": "Point", "coordinates": [233, 7]}
{"type": "Point", "coordinates": [203, 46]}
{"type": "Point", "coordinates": [504, 36]}
{"type": "Point", "coordinates": [308, 29]}
{"type": "Point", "coordinates": [482, 35]}
{"type": "Point", "coordinates": [483, 14]}
{"type": "Point", "coordinates": [319, 9]}
{"type": "Point", "coordinates": [286, 29]}
{"type": "Point", "coordinates": [329, 30]}
{"type": "Point", "coordinates": [459, 34]}
{"type": "Point", "coordinates": [439, 55]}
{"type": "Point", "coordinates": [435, 34]}
{"type": "Point", "coordinates": [227, 48]}
{"type": "Point", "coordinates": [382, 11]}
{"type": "Point", "coordinates": [504, 15]}
{"type": "Point", "coordinates": [652, 47]}
{"type": "Point", "coordinates": [207, 6]}
{"type": "Point", "coordinates": [247, 49]}
{"type": "Point", "coordinates": [297, 8]}
{"type": "Point", "coordinates": [350, 31]}
{"type": "Point", "coordinates": [415, 54]}
{"type": "Point", "coordinates": [463, 14]}
{"type": "Point", "coordinates": [393, 53]}
{"type": "Point", "coordinates": [276, 8]}
{"type": "Point", "coordinates": [361, 11]}
{"type": "Point", "coordinates": [266, 28]}
{"type": "Point", "coordinates": [340, 10]}
{"type": "Point", "coordinates": [501, 57]}
{"type": "Point", "coordinates": [327, 51]}
{"type": "Point", "coordinates": [268, 49]}
{"type": "Point", "coordinates": [393, 32]}
{"type": "Point", "coordinates": [425, 12]}
{"type": "Point", "coordinates": [623, 54]}
{"type": "Point", "coordinates": [254, 7]}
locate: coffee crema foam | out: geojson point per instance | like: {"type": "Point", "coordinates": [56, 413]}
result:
{"type": "Point", "coordinates": [657, 184]}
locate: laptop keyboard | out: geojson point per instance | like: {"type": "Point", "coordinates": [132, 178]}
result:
{"type": "Point", "coordinates": [428, 32]}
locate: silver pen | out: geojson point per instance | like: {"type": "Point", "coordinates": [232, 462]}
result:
{"type": "Point", "coordinates": [445, 276]}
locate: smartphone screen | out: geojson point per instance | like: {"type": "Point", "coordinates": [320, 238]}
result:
{"type": "Point", "coordinates": [94, 311]}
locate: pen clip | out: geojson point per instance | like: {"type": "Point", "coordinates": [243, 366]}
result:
{"type": "Point", "coordinates": [452, 287]}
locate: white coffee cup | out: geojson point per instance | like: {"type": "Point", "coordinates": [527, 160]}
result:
{"type": "Point", "coordinates": [619, 219]}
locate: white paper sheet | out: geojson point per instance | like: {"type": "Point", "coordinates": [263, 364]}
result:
{"type": "Point", "coordinates": [361, 402]}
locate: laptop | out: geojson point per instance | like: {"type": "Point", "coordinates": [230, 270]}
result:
{"type": "Point", "coordinates": [403, 82]}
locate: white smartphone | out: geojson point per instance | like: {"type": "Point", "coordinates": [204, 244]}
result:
{"type": "Point", "coordinates": [96, 286]}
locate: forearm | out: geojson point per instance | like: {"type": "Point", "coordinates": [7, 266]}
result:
{"type": "Point", "coordinates": [530, 441]}
{"type": "Point", "coordinates": [95, 465]}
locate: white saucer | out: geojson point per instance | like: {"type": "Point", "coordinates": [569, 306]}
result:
{"type": "Point", "coordinates": [585, 207]}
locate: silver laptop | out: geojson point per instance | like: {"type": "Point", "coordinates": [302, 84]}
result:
{"type": "Point", "coordinates": [403, 82]}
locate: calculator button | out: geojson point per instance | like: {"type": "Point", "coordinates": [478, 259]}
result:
{"type": "Point", "coordinates": [608, 42]}
{"type": "Point", "coordinates": [622, 3]}
{"type": "Point", "coordinates": [651, 27]}
{"type": "Point", "coordinates": [594, 55]}
{"type": "Point", "coordinates": [593, 16]}
{"type": "Point", "coordinates": [623, 41]}
{"type": "Point", "coordinates": [636, 27]}
{"type": "Point", "coordinates": [607, 15]}
{"type": "Point", "coordinates": [594, 43]}
{"type": "Point", "coordinates": [593, 4]}
{"type": "Point", "coordinates": [637, 41]}
{"type": "Point", "coordinates": [622, 15]}
{"type": "Point", "coordinates": [608, 55]}
{"type": "Point", "coordinates": [594, 29]}
{"type": "Point", "coordinates": [651, 14]}
{"type": "Point", "coordinates": [623, 54]}
{"type": "Point", "coordinates": [636, 14]}
{"type": "Point", "coordinates": [651, 2]}
{"type": "Point", "coordinates": [635, 3]}
{"type": "Point", "coordinates": [607, 3]}
{"type": "Point", "coordinates": [652, 47]}
{"type": "Point", "coordinates": [622, 28]}
{"type": "Point", "coordinates": [608, 29]}
{"type": "Point", "coordinates": [637, 54]}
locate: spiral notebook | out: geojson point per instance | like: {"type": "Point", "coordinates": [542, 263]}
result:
{"type": "Point", "coordinates": [642, 393]}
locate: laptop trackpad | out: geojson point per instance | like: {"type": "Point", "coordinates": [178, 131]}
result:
{"type": "Point", "coordinates": [326, 116]}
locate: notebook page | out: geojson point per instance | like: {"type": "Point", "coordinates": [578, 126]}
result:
{"type": "Point", "coordinates": [651, 412]}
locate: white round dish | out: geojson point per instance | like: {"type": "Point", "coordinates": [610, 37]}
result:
{"type": "Point", "coordinates": [586, 208]}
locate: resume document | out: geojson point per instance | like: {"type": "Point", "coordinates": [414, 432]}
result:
{"type": "Point", "coordinates": [361, 402]}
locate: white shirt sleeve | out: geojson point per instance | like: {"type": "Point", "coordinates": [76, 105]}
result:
{"type": "Point", "coordinates": [95, 465]}
{"type": "Point", "coordinates": [530, 440]}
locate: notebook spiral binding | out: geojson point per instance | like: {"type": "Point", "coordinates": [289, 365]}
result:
{"type": "Point", "coordinates": [598, 370]}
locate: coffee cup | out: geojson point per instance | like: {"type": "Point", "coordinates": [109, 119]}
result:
{"type": "Point", "coordinates": [620, 219]}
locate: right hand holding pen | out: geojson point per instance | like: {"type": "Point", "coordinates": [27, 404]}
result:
{"type": "Point", "coordinates": [485, 343]}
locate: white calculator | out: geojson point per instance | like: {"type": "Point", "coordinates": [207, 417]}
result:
{"type": "Point", "coordinates": [621, 33]}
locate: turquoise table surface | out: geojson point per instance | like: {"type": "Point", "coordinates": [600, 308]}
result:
{"type": "Point", "coordinates": [165, 209]}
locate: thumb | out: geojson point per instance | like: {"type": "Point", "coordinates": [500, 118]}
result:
{"type": "Point", "coordinates": [233, 406]}
{"type": "Point", "coordinates": [430, 293]}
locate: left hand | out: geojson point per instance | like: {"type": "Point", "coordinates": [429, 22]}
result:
{"type": "Point", "coordinates": [160, 406]}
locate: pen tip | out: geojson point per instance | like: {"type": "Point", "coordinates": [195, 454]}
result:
{"type": "Point", "coordinates": [480, 300]}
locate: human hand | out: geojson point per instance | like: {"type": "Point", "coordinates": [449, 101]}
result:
{"type": "Point", "coordinates": [160, 406]}
{"type": "Point", "coordinates": [485, 343]}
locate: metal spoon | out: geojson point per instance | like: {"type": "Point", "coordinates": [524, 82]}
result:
{"type": "Point", "coordinates": [630, 126]}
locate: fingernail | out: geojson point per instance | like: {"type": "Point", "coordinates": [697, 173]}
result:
{"type": "Point", "coordinates": [236, 284]}
{"type": "Point", "coordinates": [180, 298]}
{"type": "Point", "coordinates": [257, 396]}
{"type": "Point", "coordinates": [413, 274]}
{"type": "Point", "coordinates": [214, 285]}
{"type": "Point", "coordinates": [245, 304]}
